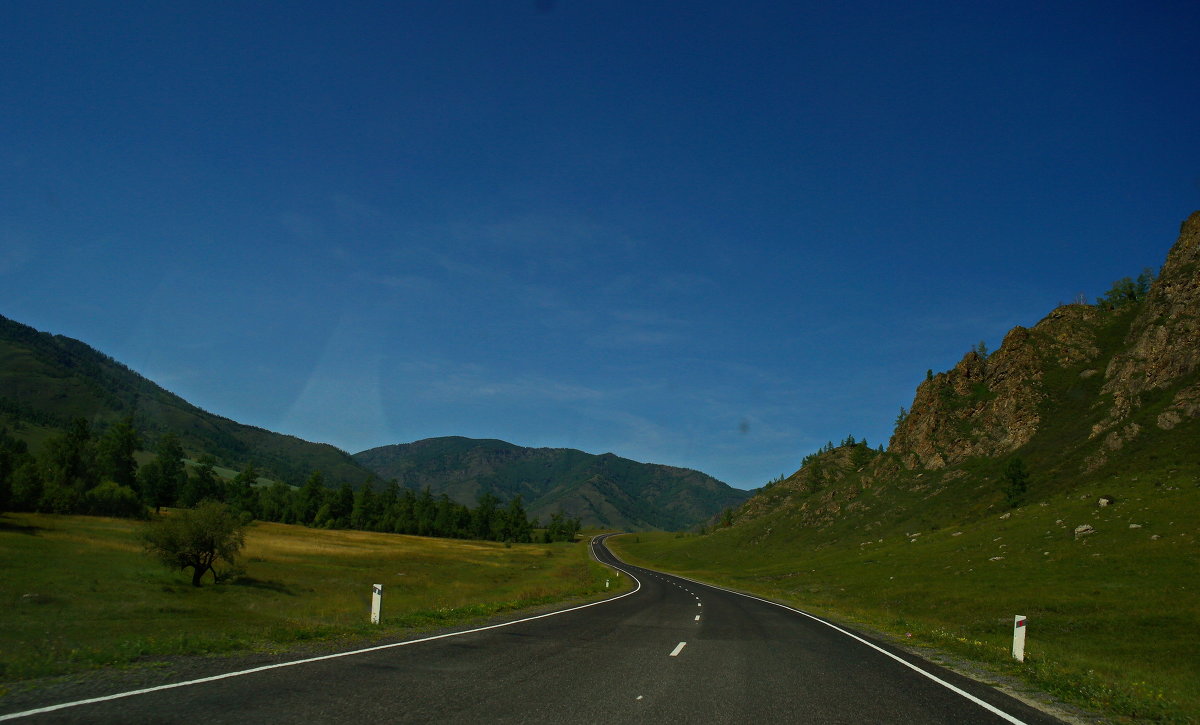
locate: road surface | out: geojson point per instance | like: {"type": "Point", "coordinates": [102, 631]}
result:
{"type": "Point", "coordinates": [670, 651]}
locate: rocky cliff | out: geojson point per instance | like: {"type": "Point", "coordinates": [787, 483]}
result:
{"type": "Point", "coordinates": [1162, 347]}
{"type": "Point", "coordinates": [984, 406]}
{"type": "Point", "coordinates": [992, 405]}
{"type": "Point", "coordinates": [1090, 394]}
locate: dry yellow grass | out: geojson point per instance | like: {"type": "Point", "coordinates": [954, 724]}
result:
{"type": "Point", "coordinates": [78, 591]}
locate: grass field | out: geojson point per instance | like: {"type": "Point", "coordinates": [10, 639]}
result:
{"type": "Point", "coordinates": [1114, 616]}
{"type": "Point", "coordinates": [77, 592]}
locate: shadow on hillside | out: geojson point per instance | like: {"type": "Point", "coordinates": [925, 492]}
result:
{"type": "Point", "coordinates": [19, 528]}
{"type": "Point", "coordinates": [249, 581]}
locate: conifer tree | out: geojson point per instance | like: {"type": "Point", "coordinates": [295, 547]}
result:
{"type": "Point", "coordinates": [115, 453]}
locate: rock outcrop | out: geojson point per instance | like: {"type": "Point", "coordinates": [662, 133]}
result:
{"type": "Point", "coordinates": [1163, 345]}
{"type": "Point", "coordinates": [984, 406]}
{"type": "Point", "coordinates": [827, 486]}
{"type": "Point", "coordinates": [991, 406]}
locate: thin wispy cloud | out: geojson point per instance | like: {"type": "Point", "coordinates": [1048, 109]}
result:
{"type": "Point", "coordinates": [354, 211]}
{"type": "Point", "coordinates": [409, 282]}
{"type": "Point", "coordinates": [301, 226]}
{"type": "Point", "coordinates": [448, 381]}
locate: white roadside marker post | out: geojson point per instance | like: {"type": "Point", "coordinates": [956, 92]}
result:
{"type": "Point", "coordinates": [1018, 650]}
{"type": "Point", "coordinates": [376, 601]}
{"type": "Point", "coordinates": [606, 583]}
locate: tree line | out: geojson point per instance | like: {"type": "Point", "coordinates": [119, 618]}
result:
{"type": "Point", "coordinates": [82, 472]}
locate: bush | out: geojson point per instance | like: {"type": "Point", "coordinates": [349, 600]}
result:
{"type": "Point", "coordinates": [59, 499]}
{"type": "Point", "coordinates": [112, 499]}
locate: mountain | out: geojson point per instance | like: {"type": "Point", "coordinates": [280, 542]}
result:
{"type": "Point", "coordinates": [1091, 395]}
{"type": "Point", "coordinates": [48, 380]}
{"type": "Point", "coordinates": [601, 490]}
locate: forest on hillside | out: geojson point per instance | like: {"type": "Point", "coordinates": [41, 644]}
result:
{"type": "Point", "coordinates": [82, 471]}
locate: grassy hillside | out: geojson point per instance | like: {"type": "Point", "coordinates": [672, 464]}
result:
{"type": "Point", "coordinates": [604, 490]}
{"type": "Point", "coordinates": [48, 380]}
{"type": "Point", "coordinates": [1112, 615]}
{"type": "Point", "coordinates": [78, 592]}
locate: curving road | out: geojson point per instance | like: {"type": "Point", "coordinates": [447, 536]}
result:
{"type": "Point", "coordinates": [672, 650]}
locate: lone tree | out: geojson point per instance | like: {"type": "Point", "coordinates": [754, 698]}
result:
{"type": "Point", "coordinates": [197, 538]}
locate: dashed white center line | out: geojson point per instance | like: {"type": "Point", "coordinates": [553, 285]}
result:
{"type": "Point", "coordinates": [678, 648]}
{"type": "Point", "coordinates": [697, 617]}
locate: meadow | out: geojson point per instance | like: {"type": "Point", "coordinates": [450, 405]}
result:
{"type": "Point", "coordinates": [78, 592]}
{"type": "Point", "coordinates": [1113, 616]}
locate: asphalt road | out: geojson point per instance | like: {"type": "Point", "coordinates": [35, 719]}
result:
{"type": "Point", "coordinates": [670, 651]}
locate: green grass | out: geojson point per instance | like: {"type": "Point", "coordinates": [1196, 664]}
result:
{"type": "Point", "coordinates": [77, 592]}
{"type": "Point", "coordinates": [1113, 616]}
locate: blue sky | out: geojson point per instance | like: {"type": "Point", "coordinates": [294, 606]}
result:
{"type": "Point", "coordinates": [708, 234]}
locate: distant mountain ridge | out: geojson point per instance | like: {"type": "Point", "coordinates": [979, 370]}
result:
{"type": "Point", "coordinates": [601, 490]}
{"type": "Point", "coordinates": [47, 380]}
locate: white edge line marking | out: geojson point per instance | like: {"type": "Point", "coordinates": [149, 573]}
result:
{"type": "Point", "coordinates": [678, 648]}
{"type": "Point", "coordinates": [214, 678]}
{"type": "Point", "coordinates": [989, 707]}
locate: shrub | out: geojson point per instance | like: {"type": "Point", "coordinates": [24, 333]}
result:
{"type": "Point", "coordinates": [112, 499]}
